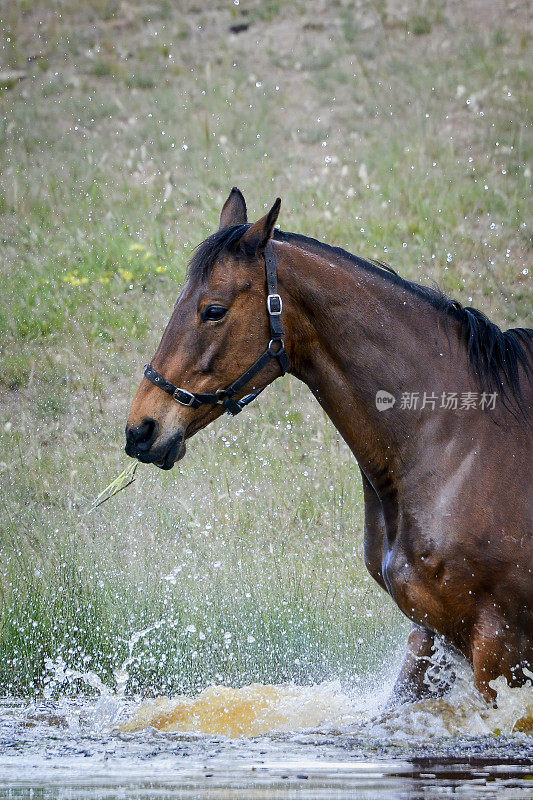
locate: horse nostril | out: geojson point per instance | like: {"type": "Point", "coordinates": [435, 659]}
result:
{"type": "Point", "coordinates": [144, 435]}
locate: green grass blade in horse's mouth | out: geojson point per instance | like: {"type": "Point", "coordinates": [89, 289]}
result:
{"type": "Point", "coordinates": [121, 482]}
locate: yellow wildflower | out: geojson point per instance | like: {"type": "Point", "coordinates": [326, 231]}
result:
{"type": "Point", "coordinates": [74, 280]}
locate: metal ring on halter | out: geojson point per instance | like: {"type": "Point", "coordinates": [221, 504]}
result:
{"type": "Point", "coordinates": [273, 352]}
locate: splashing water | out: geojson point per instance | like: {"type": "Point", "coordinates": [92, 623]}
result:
{"type": "Point", "coordinates": [121, 674]}
{"type": "Point", "coordinates": [248, 711]}
{"type": "Point", "coordinates": [110, 706]}
{"type": "Point", "coordinates": [262, 709]}
{"type": "Point", "coordinates": [259, 709]}
{"type": "Point", "coordinates": [327, 734]}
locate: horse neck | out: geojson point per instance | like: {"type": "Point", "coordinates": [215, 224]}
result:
{"type": "Point", "coordinates": [351, 331]}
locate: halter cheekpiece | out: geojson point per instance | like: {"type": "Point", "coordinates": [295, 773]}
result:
{"type": "Point", "coordinates": [275, 350]}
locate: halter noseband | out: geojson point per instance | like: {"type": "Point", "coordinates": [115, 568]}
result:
{"type": "Point", "coordinates": [275, 350]}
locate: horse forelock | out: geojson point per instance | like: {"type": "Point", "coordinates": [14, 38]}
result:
{"type": "Point", "coordinates": [208, 251]}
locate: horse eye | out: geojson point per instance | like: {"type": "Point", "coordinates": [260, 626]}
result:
{"type": "Point", "coordinates": [213, 312]}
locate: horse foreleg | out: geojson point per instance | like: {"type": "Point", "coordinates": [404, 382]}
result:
{"type": "Point", "coordinates": [410, 684]}
{"type": "Point", "coordinates": [491, 655]}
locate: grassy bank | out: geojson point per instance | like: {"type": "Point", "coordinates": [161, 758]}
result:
{"type": "Point", "coordinates": [399, 135]}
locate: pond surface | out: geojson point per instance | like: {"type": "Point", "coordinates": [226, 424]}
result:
{"type": "Point", "coordinates": [268, 742]}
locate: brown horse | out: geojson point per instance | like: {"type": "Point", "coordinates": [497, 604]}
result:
{"type": "Point", "coordinates": [434, 400]}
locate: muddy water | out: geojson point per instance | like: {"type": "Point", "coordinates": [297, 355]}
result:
{"type": "Point", "coordinates": [259, 741]}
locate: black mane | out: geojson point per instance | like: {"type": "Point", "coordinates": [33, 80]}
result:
{"type": "Point", "coordinates": [495, 355]}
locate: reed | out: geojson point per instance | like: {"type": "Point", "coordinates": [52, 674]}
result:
{"type": "Point", "coordinates": [118, 484]}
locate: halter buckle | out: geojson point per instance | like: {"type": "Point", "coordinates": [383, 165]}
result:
{"type": "Point", "coordinates": [183, 397]}
{"type": "Point", "coordinates": [274, 305]}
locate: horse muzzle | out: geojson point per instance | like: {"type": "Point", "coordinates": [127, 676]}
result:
{"type": "Point", "coordinates": [144, 443]}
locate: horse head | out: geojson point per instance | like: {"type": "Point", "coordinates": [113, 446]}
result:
{"type": "Point", "coordinates": [223, 325]}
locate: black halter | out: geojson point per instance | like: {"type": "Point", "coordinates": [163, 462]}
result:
{"type": "Point", "coordinates": [275, 350]}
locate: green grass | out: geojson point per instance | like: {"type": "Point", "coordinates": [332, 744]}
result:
{"type": "Point", "coordinates": [278, 574]}
{"type": "Point", "coordinates": [419, 24]}
{"type": "Point", "coordinates": [116, 154]}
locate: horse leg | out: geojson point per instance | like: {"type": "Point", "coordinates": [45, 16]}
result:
{"type": "Point", "coordinates": [411, 683]}
{"type": "Point", "coordinates": [490, 655]}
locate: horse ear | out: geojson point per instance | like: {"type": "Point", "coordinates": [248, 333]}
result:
{"type": "Point", "coordinates": [234, 210]}
{"type": "Point", "coordinates": [258, 234]}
